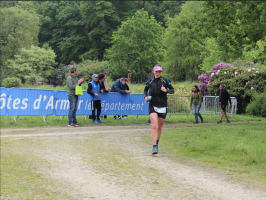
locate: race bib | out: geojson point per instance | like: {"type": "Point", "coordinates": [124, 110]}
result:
{"type": "Point", "coordinates": [160, 110]}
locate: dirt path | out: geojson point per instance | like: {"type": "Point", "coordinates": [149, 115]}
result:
{"type": "Point", "coordinates": [113, 163]}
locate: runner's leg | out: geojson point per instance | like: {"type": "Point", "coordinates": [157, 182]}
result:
{"type": "Point", "coordinates": [154, 127]}
{"type": "Point", "coordinates": [160, 127]}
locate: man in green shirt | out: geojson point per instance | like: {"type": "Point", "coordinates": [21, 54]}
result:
{"type": "Point", "coordinates": [71, 82]}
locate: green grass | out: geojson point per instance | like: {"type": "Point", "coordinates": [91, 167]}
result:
{"type": "Point", "coordinates": [20, 178]}
{"type": "Point", "coordinates": [37, 121]}
{"type": "Point", "coordinates": [236, 148]}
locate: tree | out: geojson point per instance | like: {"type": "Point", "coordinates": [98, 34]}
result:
{"type": "Point", "coordinates": [234, 26]}
{"type": "Point", "coordinates": [136, 46]}
{"type": "Point", "coordinates": [184, 41]}
{"type": "Point", "coordinates": [63, 29]}
{"type": "Point", "coordinates": [161, 9]}
{"type": "Point", "coordinates": [33, 65]}
{"type": "Point", "coordinates": [101, 19]}
{"type": "Point", "coordinates": [18, 28]}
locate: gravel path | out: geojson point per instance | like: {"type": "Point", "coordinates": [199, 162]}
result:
{"type": "Point", "coordinates": [113, 163]}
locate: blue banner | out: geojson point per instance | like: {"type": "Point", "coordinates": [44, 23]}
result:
{"type": "Point", "coordinates": [36, 102]}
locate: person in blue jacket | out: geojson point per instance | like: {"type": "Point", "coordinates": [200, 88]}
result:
{"type": "Point", "coordinates": [120, 85]}
{"type": "Point", "coordinates": [94, 90]}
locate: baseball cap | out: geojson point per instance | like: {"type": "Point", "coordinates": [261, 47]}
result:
{"type": "Point", "coordinates": [94, 76]}
{"type": "Point", "coordinates": [157, 68]}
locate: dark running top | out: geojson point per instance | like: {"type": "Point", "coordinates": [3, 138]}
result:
{"type": "Point", "coordinates": [224, 97]}
{"type": "Point", "coordinates": [153, 89]}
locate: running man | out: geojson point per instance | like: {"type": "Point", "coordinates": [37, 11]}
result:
{"type": "Point", "coordinates": [224, 97]}
{"type": "Point", "coordinates": [157, 88]}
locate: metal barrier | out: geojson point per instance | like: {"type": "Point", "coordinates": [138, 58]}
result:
{"type": "Point", "coordinates": [180, 104]}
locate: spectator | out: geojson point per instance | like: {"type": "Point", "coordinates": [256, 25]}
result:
{"type": "Point", "coordinates": [195, 103]}
{"type": "Point", "coordinates": [103, 83]}
{"type": "Point", "coordinates": [71, 82]}
{"type": "Point", "coordinates": [120, 85]}
{"type": "Point", "coordinates": [224, 97]}
{"type": "Point", "coordinates": [103, 86]}
{"type": "Point", "coordinates": [94, 90]}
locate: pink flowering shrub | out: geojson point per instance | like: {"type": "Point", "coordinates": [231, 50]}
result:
{"type": "Point", "coordinates": [241, 82]}
{"type": "Point", "coordinates": [205, 78]}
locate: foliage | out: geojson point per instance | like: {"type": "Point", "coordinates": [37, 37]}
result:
{"type": "Point", "coordinates": [88, 67]}
{"type": "Point", "coordinates": [83, 30]}
{"type": "Point", "coordinates": [63, 29]}
{"type": "Point", "coordinates": [257, 53]}
{"type": "Point", "coordinates": [232, 27]}
{"type": "Point", "coordinates": [11, 82]}
{"type": "Point", "coordinates": [184, 43]}
{"type": "Point", "coordinates": [257, 106]}
{"type": "Point", "coordinates": [32, 65]}
{"type": "Point", "coordinates": [241, 82]}
{"type": "Point", "coordinates": [101, 18]}
{"type": "Point", "coordinates": [137, 46]}
{"type": "Point", "coordinates": [161, 10]}
{"type": "Point", "coordinates": [18, 29]}
{"type": "Point", "coordinates": [212, 54]}
{"type": "Point", "coordinates": [59, 75]}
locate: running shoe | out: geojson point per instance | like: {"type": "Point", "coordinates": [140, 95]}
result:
{"type": "Point", "coordinates": [227, 121]}
{"type": "Point", "coordinates": [155, 149]}
{"type": "Point", "coordinates": [76, 125]}
{"type": "Point", "coordinates": [99, 121]}
{"type": "Point", "coordinates": [219, 122]}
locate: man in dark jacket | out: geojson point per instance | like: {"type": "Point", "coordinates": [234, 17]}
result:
{"type": "Point", "coordinates": [224, 97]}
{"type": "Point", "coordinates": [120, 85]}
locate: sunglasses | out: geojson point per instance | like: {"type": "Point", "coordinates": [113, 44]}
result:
{"type": "Point", "coordinates": [158, 71]}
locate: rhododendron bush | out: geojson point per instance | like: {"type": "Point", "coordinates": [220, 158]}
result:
{"type": "Point", "coordinates": [241, 82]}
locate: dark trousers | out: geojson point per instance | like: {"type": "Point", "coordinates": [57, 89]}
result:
{"type": "Point", "coordinates": [73, 105]}
{"type": "Point", "coordinates": [96, 105]}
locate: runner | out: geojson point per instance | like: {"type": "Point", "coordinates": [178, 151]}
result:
{"type": "Point", "coordinates": [157, 88]}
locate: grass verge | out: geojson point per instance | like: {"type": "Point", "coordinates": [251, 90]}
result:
{"type": "Point", "coordinates": [20, 178]}
{"type": "Point", "coordinates": [37, 121]}
{"type": "Point", "coordinates": [239, 149]}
